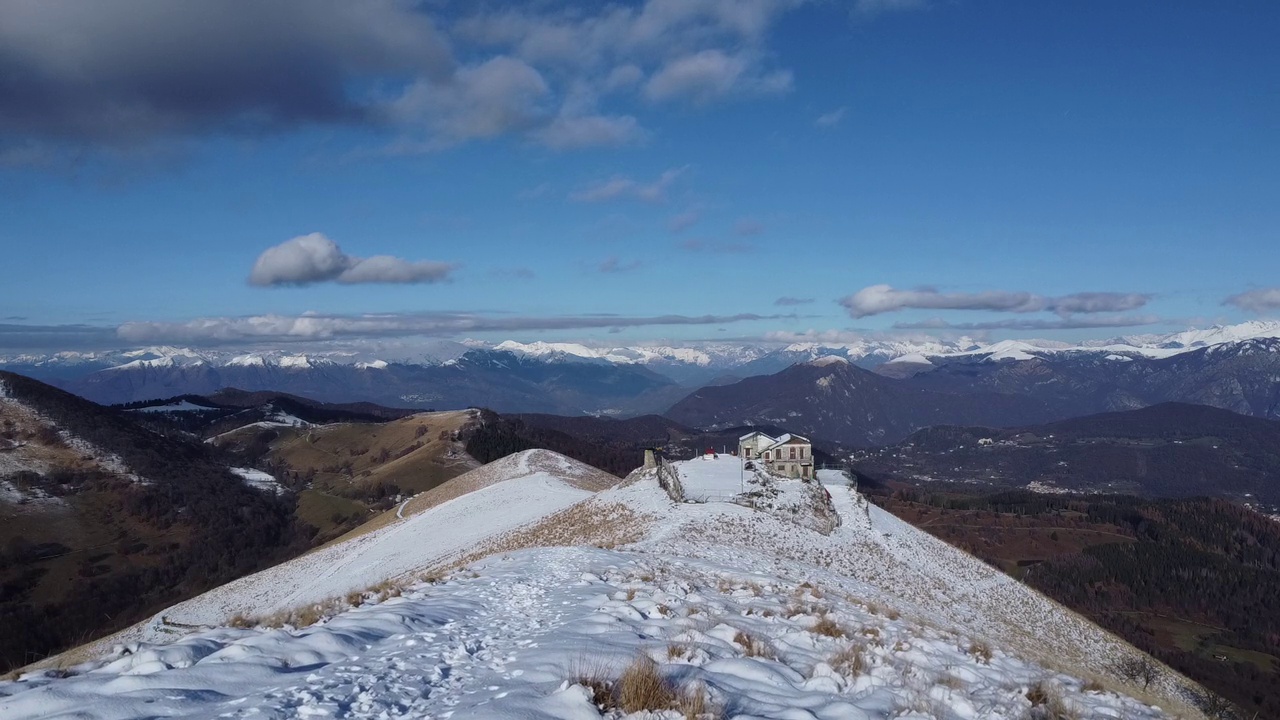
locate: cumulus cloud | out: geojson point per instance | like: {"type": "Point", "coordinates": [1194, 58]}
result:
{"type": "Point", "coordinates": [314, 258]}
{"type": "Point", "coordinates": [1067, 323]}
{"type": "Point", "coordinates": [499, 96]}
{"type": "Point", "coordinates": [1261, 300]}
{"type": "Point", "coordinates": [788, 301]}
{"type": "Point", "coordinates": [137, 72]}
{"type": "Point", "coordinates": [129, 70]}
{"type": "Point", "coordinates": [879, 299]}
{"type": "Point", "coordinates": [314, 327]}
{"type": "Point", "coordinates": [1097, 302]}
{"type": "Point", "coordinates": [622, 187]}
{"type": "Point", "coordinates": [831, 119]}
{"type": "Point", "coordinates": [710, 75]}
{"type": "Point", "coordinates": [568, 131]}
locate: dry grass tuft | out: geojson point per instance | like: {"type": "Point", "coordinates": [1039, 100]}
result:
{"type": "Point", "coordinates": [1048, 703]}
{"type": "Point", "coordinates": [828, 627]}
{"type": "Point", "coordinates": [596, 678]}
{"type": "Point", "coordinates": [631, 594]}
{"type": "Point", "coordinates": [642, 687]}
{"type": "Point", "coordinates": [751, 647]}
{"type": "Point", "coordinates": [695, 704]}
{"type": "Point", "coordinates": [850, 662]}
{"type": "Point", "coordinates": [981, 651]}
{"type": "Point", "coordinates": [240, 621]}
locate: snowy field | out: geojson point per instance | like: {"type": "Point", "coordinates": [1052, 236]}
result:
{"type": "Point", "coordinates": [429, 538]}
{"type": "Point", "coordinates": [715, 479]}
{"type": "Point", "coordinates": [179, 406]}
{"type": "Point", "coordinates": [754, 616]}
{"type": "Point", "coordinates": [510, 638]}
{"type": "Point", "coordinates": [258, 479]}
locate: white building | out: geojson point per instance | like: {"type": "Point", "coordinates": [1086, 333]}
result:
{"type": "Point", "coordinates": [790, 455]}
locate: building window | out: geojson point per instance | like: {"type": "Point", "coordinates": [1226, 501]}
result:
{"type": "Point", "coordinates": [793, 453]}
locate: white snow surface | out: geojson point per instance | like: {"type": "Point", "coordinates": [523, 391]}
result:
{"type": "Point", "coordinates": [426, 539]}
{"type": "Point", "coordinates": [258, 479]}
{"type": "Point", "coordinates": [179, 406]}
{"type": "Point", "coordinates": [915, 358]}
{"type": "Point", "coordinates": [509, 636]}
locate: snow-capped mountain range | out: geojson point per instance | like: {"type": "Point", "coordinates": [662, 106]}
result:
{"type": "Point", "coordinates": [573, 378]}
{"type": "Point", "coordinates": [706, 356]}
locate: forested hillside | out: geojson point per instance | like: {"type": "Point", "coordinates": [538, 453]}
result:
{"type": "Point", "coordinates": [1195, 582]}
{"type": "Point", "coordinates": [100, 549]}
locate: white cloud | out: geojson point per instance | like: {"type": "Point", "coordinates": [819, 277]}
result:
{"type": "Point", "coordinates": [568, 132]}
{"type": "Point", "coordinates": [879, 299]}
{"type": "Point", "coordinates": [1067, 323]}
{"type": "Point", "coordinates": [831, 119]}
{"type": "Point", "coordinates": [314, 326]}
{"type": "Point", "coordinates": [93, 76]}
{"type": "Point", "coordinates": [1261, 300]}
{"type": "Point", "coordinates": [620, 187]}
{"type": "Point", "coordinates": [710, 75]}
{"type": "Point", "coordinates": [500, 96]}
{"type": "Point", "coordinates": [314, 258]}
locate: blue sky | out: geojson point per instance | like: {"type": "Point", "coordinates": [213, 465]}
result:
{"type": "Point", "coordinates": [992, 167]}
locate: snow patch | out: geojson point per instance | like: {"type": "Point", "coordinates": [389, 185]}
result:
{"type": "Point", "coordinates": [259, 480]}
{"type": "Point", "coordinates": [179, 406]}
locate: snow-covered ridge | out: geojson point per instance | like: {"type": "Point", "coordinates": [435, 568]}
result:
{"type": "Point", "coordinates": [755, 615]}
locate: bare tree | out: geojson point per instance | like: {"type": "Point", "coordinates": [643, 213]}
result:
{"type": "Point", "coordinates": [1138, 669]}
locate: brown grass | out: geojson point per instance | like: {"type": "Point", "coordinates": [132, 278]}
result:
{"type": "Point", "coordinates": [597, 678]}
{"type": "Point", "coordinates": [642, 687]}
{"type": "Point", "coordinates": [981, 651]}
{"type": "Point", "coordinates": [752, 647]}
{"type": "Point", "coordinates": [1048, 703]}
{"type": "Point", "coordinates": [828, 627]}
{"type": "Point", "coordinates": [851, 661]}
